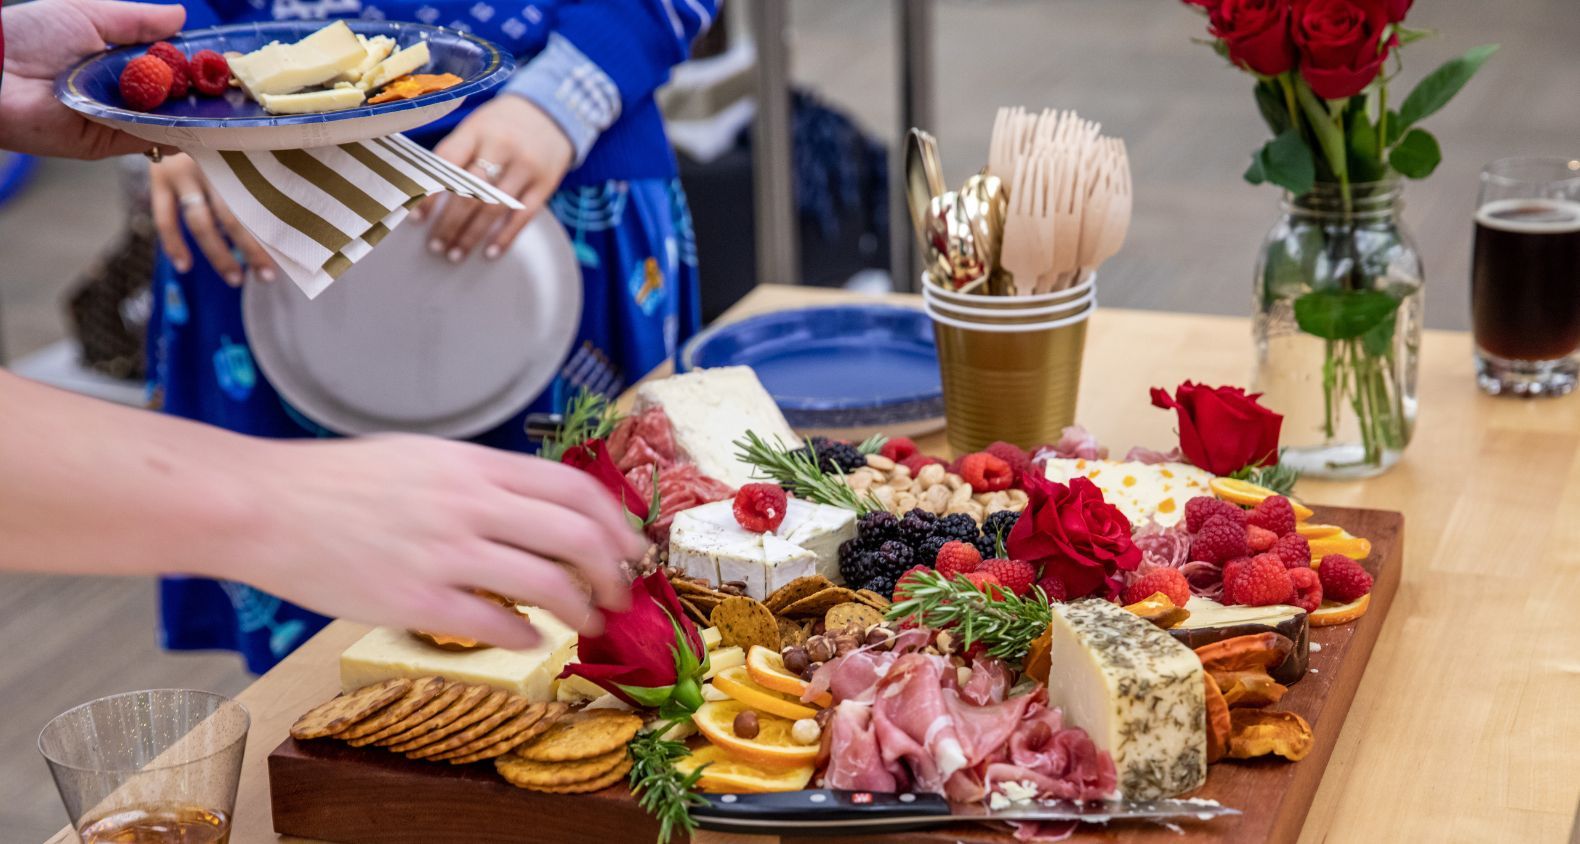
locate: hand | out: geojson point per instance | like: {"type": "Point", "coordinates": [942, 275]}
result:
{"type": "Point", "coordinates": [177, 190]}
{"type": "Point", "coordinates": [44, 38]}
{"type": "Point", "coordinates": [531, 154]}
{"type": "Point", "coordinates": [394, 530]}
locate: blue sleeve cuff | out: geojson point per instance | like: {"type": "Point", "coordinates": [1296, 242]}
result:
{"type": "Point", "coordinates": [573, 91]}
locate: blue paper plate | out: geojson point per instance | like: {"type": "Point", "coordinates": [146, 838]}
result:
{"type": "Point", "coordinates": [847, 371]}
{"type": "Point", "coordinates": [92, 88]}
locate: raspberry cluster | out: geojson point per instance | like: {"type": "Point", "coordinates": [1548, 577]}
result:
{"type": "Point", "coordinates": [164, 73]}
{"type": "Point", "coordinates": [1264, 558]}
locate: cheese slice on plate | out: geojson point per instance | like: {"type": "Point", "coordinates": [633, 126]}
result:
{"type": "Point", "coordinates": [379, 48]}
{"type": "Point", "coordinates": [707, 542]}
{"type": "Point", "coordinates": [285, 68]}
{"type": "Point", "coordinates": [1135, 690]}
{"type": "Point", "coordinates": [712, 408]}
{"type": "Point", "coordinates": [1140, 490]}
{"type": "Point", "coordinates": [407, 60]}
{"type": "Point", "coordinates": [387, 652]}
{"type": "Point", "coordinates": [311, 102]}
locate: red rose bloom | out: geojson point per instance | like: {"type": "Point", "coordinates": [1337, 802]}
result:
{"type": "Point", "coordinates": [593, 458]}
{"type": "Point", "coordinates": [1256, 33]}
{"type": "Point", "coordinates": [649, 655]}
{"type": "Point", "coordinates": [1078, 539]}
{"type": "Point", "coordinates": [1397, 9]}
{"type": "Point", "coordinates": [1340, 43]}
{"type": "Point", "coordinates": [1222, 429]}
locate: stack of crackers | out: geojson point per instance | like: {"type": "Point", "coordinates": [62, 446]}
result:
{"type": "Point", "coordinates": [431, 718]}
{"type": "Point", "coordinates": [787, 617]}
{"type": "Point", "coordinates": [582, 753]}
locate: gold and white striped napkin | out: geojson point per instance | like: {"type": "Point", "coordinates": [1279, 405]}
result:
{"type": "Point", "coordinates": [318, 211]}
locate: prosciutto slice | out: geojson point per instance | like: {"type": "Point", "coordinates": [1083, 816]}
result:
{"type": "Point", "coordinates": [855, 763]}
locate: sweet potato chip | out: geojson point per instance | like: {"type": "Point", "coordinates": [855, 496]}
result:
{"type": "Point", "coordinates": [1038, 659]}
{"type": "Point", "coordinates": [413, 86]}
{"type": "Point", "coordinates": [1218, 723]}
{"type": "Point", "coordinates": [1160, 610]}
{"type": "Point", "coordinates": [1261, 732]}
{"type": "Point", "coordinates": [1250, 688]}
{"type": "Point", "coordinates": [1258, 650]}
{"type": "Point", "coordinates": [745, 622]}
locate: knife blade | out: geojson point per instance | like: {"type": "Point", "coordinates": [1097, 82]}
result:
{"type": "Point", "coordinates": [834, 812]}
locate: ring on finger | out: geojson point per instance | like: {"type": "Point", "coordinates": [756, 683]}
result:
{"type": "Point", "coordinates": [490, 170]}
{"type": "Point", "coordinates": [192, 200]}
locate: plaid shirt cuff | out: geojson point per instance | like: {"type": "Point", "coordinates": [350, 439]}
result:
{"type": "Point", "coordinates": [572, 90]}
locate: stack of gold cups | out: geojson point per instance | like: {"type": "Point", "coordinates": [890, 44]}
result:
{"type": "Point", "coordinates": [1010, 365]}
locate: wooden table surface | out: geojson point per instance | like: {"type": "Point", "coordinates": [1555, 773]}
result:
{"type": "Point", "coordinates": [1467, 724]}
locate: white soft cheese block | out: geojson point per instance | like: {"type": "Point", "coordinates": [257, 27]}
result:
{"type": "Point", "coordinates": [710, 410]}
{"type": "Point", "coordinates": [312, 102]}
{"type": "Point", "coordinates": [407, 60]}
{"type": "Point", "coordinates": [387, 652]}
{"type": "Point", "coordinates": [284, 68]}
{"type": "Point", "coordinates": [707, 542]}
{"type": "Point", "coordinates": [1136, 691]}
{"type": "Point", "coordinates": [378, 47]}
{"type": "Point", "coordinates": [1140, 490]}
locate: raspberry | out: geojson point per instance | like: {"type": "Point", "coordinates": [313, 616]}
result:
{"type": "Point", "coordinates": [986, 473]}
{"type": "Point", "coordinates": [957, 558]}
{"type": "Point", "coordinates": [916, 461]}
{"type": "Point", "coordinates": [1053, 587]}
{"type": "Point", "coordinates": [760, 508]}
{"type": "Point", "coordinates": [984, 582]}
{"type": "Point", "coordinates": [210, 73]}
{"type": "Point", "coordinates": [1294, 550]}
{"type": "Point", "coordinates": [1168, 581]}
{"type": "Point", "coordinates": [898, 448]}
{"type": "Point", "coordinates": [901, 593]}
{"type": "Point", "coordinates": [1308, 588]}
{"type": "Point", "coordinates": [1203, 507]}
{"type": "Point", "coordinates": [145, 83]}
{"type": "Point", "coordinates": [1019, 461]}
{"type": "Point", "coordinates": [1221, 538]}
{"type": "Point", "coordinates": [1275, 514]}
{"type": "Point", "coordinates": [1232, 566]}
{"type": "Point", "coordinates": [1016, 575]}
{"type": "Point", "coordinates": [1258, 583]}
{"type": "Point", "coordinates": [181, 75]}
{"type": "Point", "coordinates": [1260, 538]}
{"type": "Point", "coordinates": [1343, 579]}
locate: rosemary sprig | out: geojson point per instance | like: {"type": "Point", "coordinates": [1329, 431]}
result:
{"type": "Point", "coordinates": [660, 789]}
{"type": "Point", "coordinates": [588, 416]}
{"type": "Point", "coordinates": [1280, 478]}
{"type": "Point", "coordinates": [798, 472]}
{"type": "Point", "coordinates": [1005, 622]}
{"type": "Point", "coordinates": [872, 444]}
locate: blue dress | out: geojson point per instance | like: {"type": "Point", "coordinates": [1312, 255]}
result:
{"type": "Point", "coordinates": [633, 241]}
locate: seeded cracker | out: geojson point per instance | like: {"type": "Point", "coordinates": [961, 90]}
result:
{"type": "Point", "coordinates": [582, 735]}
{"type": "Point", "coordinates": [612, 778]}
{"type": "Point", "coordinates": [500, 748]}
{"type": "Point", "coordinates": [745, 622]}
{"type": "Point", "coordinates": [791, 633]}
{"type": "Point", "coordinates": [795, 590]}
{"type": "Point", "coordinates": [526, 774]}
{"type": "Point", "coordinates": [333, 716]}
{"type": "Point", "coordinates": [874, 600]}
{"type": "Point", "coordinates": [513, 707]}
{"type": "Point", "coordinates": [490, 705]}
{"type": "Point", "coordinates": [423, 690]}
{"type": "Point", "coordinates": [694, 611]}
{"type": "Point", "coordinates": [841, 615]}
{"type": "Point", "coordinates": [505, 731]}
{"type": "Point", "coordinates": [467, 699]}
{"type": "Point", "coordinates": [820, 602]}
{"type": "Point", "coordinates": [440, 702]}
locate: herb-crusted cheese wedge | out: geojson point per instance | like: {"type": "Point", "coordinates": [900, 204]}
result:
{"type": "Point", "coordinates": [1136, 691]}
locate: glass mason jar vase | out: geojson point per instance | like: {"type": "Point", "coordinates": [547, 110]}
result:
{"type": "Point", "coordinates": [1338, 329]}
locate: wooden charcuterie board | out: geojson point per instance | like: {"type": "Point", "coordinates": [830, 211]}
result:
{"type": "Point", "coordinates": [330, 791]}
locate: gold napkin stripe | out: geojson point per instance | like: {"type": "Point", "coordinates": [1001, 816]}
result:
{"type": "Point", "coordinates": [389, 172]}
{"type": "Point", "coordinates": [288, 210]}
{"type": "Point", "coordinates": [375, 234]}
{"type": "Point", "coordinates": [481, 188]}
{"type": "Point", "coordinates": [332, 183]}
{"type": "Point", "coordinates": [423, 166]}
{"type": "Point", "coordinates": [336, 265]}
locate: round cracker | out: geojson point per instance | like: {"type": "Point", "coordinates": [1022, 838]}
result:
{"type": "Point", "coordinates": [335, 715]}
{"type": "Point", "coordinates": [511, 709]}
{"type": "Point", "coordinates": [490, 705]}
{"type": "Point", "coordinates": [874, 600]}
{"type": "Point", "coordinates": [745, 622]}
{"type": "Point", "coordinates": [582, 735]}
{"type": "Point", "coordinates": [502, 747]}
{"type": "Point", "coordinates": [527, 774]}
{"type": "Point", "coordinates": [423, 690]}
{"type": "Point", "coordinates": [588, 787]}
{"type": "Point", "coordinates": [840, 616]}
{"type": "Point", "coordinates": [466, 700]}
{"type": "Point", "coordinates": [795, 590]}
{"type": "Point", "coordinates": [819, 602]}
{"type": "Point", "coordinates": [507, 728]}
{"type": "Point", "coordinates": [440, 702]}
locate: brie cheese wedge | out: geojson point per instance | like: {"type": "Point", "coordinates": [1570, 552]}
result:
{"type": "Point", "coordinates": [710, 409]}
{"type": "Point", "coordinates": [707, 542]}
{"type": "Point", "coordinates": [1140, 490]}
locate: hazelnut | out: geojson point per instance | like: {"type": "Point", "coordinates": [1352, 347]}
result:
{"type": "Point", "coordinates": [823, 716]}
{"type": "Point", "coordinates": [820, 649]}
{"type": "Point", "coordinates": [944, 641]}
{"type": "Point", "coordinates": [746, 725]}
{"type": "Point", "coordinates": [796, 660]}
{"type": "Point", "coordinates": [879, 636]}
{"type": "Point", "coordinates": [811, 669]}
{"type": "Point", "coordinates": [845, 642]}
{"type": "Point", "coordinates": [806, 731]}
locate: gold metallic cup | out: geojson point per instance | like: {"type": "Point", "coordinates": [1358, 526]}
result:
{"type": "Point", "coordinates": [1009, 374]}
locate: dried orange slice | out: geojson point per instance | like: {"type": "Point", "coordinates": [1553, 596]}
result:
{"type": "Point", "coordinates": [1354, 547]}
{"type": "Point", "coordinates": [726, 774]}
{"type": "Point", "coordinates": [767, 669]}
{"type": "Point", "coordinates": [1311, 531]}
{"type": "Point", "coordinates": [1247, 494]}
{"type": "Point", "coordinates": [738, 684]}
{"type": "Point", "coordinates": [1331, 613]}
{"type": "Point", "coordinates": [771, 748]}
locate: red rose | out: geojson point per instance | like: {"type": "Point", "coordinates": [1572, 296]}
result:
{"type": "Point", "coordinates": [593, 458]}
{"type": "Point", "coordinates": [1222, 429]}
{"type": "Point", "coordinates": [1340, 42]}
{"type": "Point", "coordinates": [1076, 537]}
{"type": "Point", "coordinates": [649, 655]}
{"type": "Point", "coordinates": [1397, 9]}
{"type": "Point", "coordinates": [1256, 33]}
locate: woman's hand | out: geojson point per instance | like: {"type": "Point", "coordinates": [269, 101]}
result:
{"type": "Point", "coordinates": [515, 146]}
{"type": "Point", "coordinates": [179, 192]}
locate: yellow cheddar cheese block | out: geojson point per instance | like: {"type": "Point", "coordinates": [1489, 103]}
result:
{"type": "Point", "coordinates": [286, 68]}
{"type": "Point", "coordinates": [387, 652]}
{"type": "Point", "coordinates": [404, 61]}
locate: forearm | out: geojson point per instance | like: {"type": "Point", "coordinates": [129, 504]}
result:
{"type": "Point", "coordinates": [88, 487]}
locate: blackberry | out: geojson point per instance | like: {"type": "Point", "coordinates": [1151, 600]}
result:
{"type": "Point", "coordinates": [878, 527]}
{"type": "Point", "coordinates": [958, 526]}
{"type": "Point", "coordinates": [833, 455]}
{"type": "Point", "coordinates": [860, 567]}
{"type": "Point", "coordinates": [927, 552]}
{"type": "Point", "coordinates": [1001, 522]}
{"type": "Point", "coordinates": [987, 547]}
{"type": "Point", "coordinates": [893, 558]}
{"type": "Point", "coordinates": [883, 585]}
{"type": "Point", "coordinates": [916, 526]}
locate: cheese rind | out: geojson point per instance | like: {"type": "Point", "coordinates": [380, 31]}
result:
{"type": "Point", "coordinates": [311, 102]}
{"type": "Point", "coordinates": [710, 409]}
{"type": "Point", "coordinates": [1156, 491]}
{"type": "Point", "coordinates": [1136, 691]}
{"type": "Point", "coordinates": [286, 68]}
{"type": "Point", "coordinates": [406, 60]}
{"type": "Point", "coordinates": [708, 542]}
{"type": "Point", "coordinates": [387, 652]}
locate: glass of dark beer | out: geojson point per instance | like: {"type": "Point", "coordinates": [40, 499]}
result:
{"type": "Point", "coordinates": [1525, 277]}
